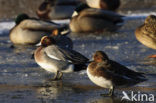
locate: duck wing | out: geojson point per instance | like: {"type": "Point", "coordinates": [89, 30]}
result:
{"type": "Point", "coordinates": [64, 54]}
{"type": "Point", "coordinates": [115, 78]}
{"type": "Point", "coordinates": [124, 71]}
{"type": "Point", "coordinates": [104, 14]}
{"type": "Point", "coordinates": [74, 56]}
{"type": "Point", "coordinates": [33, 24]}
{"type": "Point", "coordinates": [54, 53]}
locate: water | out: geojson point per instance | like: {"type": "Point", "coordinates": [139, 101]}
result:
{"type": "Point", "coordinates": [22, 80]}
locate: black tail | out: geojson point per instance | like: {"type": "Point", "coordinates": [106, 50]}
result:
{"type": "Point", "coordinates": [79, 67]}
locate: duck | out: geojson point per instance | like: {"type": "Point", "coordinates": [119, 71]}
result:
{"type": "Point", "coordinates": [57, 9]}
{"type": "Point", "coordinates": [86, 19]}
{"type": "Point", "coordinates": [28, 31]}
{"type": "Point", "coordinates": [58, 60]}
{"type": "Point", "coordinates": [111, 5]}
{"type": "Point", "coordinates": [61, 38]}
{"type": "Point", "coordinates": [109, 74]}
{"type": "Point", "coordinates": [146, 33]}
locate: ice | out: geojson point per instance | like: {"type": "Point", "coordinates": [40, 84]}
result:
{"type": "Point", "coordinates": [18, 70]}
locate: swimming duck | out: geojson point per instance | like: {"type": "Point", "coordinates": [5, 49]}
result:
{"type": "Point", "coordinates": [104, 4]}
{"type": "Point", "coordinates": [93, 20]}
{"type": "Point", "coordinates": [146, 33]}
{"type": "Point", "coordinates": [109, 74]}
{"type": "Point", "coordinates": [57, 9]}
{"type": "Point", "coordinates": [58, 60]}
{"type": "Point", "coordinates": [30, 30]}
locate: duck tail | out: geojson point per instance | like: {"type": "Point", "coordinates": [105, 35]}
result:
{"type": "Point", "coordinates": [79, 67]}
{"type": "Point", "coordinates": [141, 78]}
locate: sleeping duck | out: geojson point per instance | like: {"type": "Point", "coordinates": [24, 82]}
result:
{"type": "Point", "coordinates": [87, 19]}
{"type": "Point", "coordinates": [146, 33]}
{"type": "Point", "coordinates": [104, 4]}
{"type": "Point", "coordinates": [57, 9]}
{"type": "Point", "coordinates": [28, 31]}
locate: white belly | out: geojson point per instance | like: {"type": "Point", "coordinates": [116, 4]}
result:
{"type": "Point", "coordinates": [93, 3]}
{"type": "Point", "coordinates": [48, 67]}
{"type": "Point", "coordinates": [55, 68]}
{"type": "Point", "coordinates": [100, 81]}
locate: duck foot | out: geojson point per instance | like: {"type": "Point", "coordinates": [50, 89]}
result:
{"type": "Point", "coordinates": [58, 76]}
{"type": "Point", "coordinates": [110, 94]}
{"type": "Point", "coordinates": [106, 95]}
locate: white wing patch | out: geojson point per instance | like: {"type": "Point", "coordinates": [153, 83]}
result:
{"type": "Point", "coordinates": [53, 57]}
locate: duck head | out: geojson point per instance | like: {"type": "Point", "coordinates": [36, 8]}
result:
{"type": "Point", "coordinates": [100, 56]}
{"type": "Point", "coordinates": [21, 17]}
{"type": "Point", "coordinates": [79, 8]}
{"type": "Point", "coordinates": [46, 41]}
{"type": "Point", "coordinates": [150, 24]}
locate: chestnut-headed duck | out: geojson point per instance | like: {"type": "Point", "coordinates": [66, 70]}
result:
{"type": "Point", "coordinates": [109, 74]}
{"type": "Point", "coordinates": [58, 60]}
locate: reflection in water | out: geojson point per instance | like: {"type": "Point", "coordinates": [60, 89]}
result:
{"type": "Point", "coordinates": [51, 90]}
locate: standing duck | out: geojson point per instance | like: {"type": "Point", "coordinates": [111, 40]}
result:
{"type": "Point", "coordinates": [104, 4]}
{"type": "Point", "coordinates": [28, 31]}
{"type": "Point", "coordinates": [57, 9]}
{"type": "Point", "coordinates": [146, 33]}
{"type": "Point", "coordinates": [109, 74]}
{"type": "Point", "coordinates": [58, 60]}
{"type": "Point", "coordinates": [87, 19]}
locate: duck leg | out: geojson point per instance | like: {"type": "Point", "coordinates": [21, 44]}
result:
{"type": "Point", "coordinates": [111, 92]}
{"type": "Point", "coordinates": [58, 76]}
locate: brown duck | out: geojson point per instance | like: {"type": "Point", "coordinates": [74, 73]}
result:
{"type": "Point", "coordinates": [109, 74]}
{"type": "Point", "coordinates": [146, 33]}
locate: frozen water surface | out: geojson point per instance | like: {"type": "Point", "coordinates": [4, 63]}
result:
{"type": "Point", "coordinates": [22, 80]}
